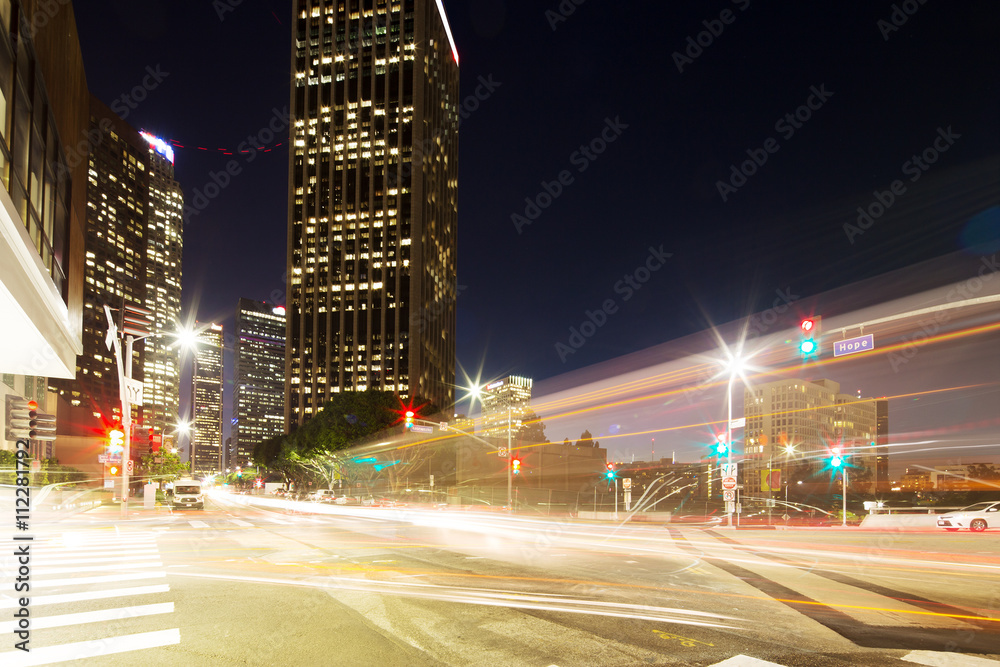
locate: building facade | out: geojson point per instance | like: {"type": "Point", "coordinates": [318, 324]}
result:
{"type": "Point", "coordinates": [43, 119]}
{"type": "Point", "coordinates": [506, 402]}
{"type": "Point", "coordinates": [164, 247]}
{"type": "Point", "coordinates": [792, 428]}
{"type": "Point", "coordinates": [206, 435]}
{"type": "Point", "coordinates": [372, 218]}
{"type": "Point", "coordinates": [259, 379]}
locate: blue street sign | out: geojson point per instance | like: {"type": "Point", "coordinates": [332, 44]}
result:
{"type": "Point", "coordinates": [853, 345]}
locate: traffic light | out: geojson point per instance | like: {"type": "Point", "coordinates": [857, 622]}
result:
{"type": "Point", "coordinates": [721, 448]}
{"type": "Point", "coordinates": [116, 440]}
{"type": "Point", "coordinates": [515, 466]}
{"type": "Point", "coordinates": [239, 473]}
{"type": "Point", "coordinates": [24, 421]}
{"type": "Point", "coordinates": [18, 417]}
{"type": "Point", "coordinates": [409, 419]}
{"type": "Point", "coordinates": [810, 330]}
{"type": "Point", "coordinates": [114, 469]}
{"type": "Point", "coordinates": [610, 474]}
{"type": "Point", "coordinates": [836, 459]}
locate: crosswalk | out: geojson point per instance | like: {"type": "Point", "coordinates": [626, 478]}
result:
{"type": "Point", "coordinates": [927, 658]}
{"type": "Point", "coordinates": [81, 587]}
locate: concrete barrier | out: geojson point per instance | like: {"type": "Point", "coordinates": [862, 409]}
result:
{"type": "Point", "coordinates": [900, 522]}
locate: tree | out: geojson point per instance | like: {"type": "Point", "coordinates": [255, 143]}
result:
{"type": "Point", "coordinates": [163, 466]}
{"type": "Point", "coordinates": [567, 442]}
{"type": "Point", "coordinates": [586, 440]}
{"type": "Point", "coordinates": [532, 428]}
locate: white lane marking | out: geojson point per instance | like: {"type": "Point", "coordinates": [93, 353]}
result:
{"type": "Point", "coordinates": [42, 570]}
{"type": "Point", "coordinates": [943, 659]}
{"type": "Point", "coordinates": [198, 524]}
{"type": "Point", "coordinates": [43, 561]}
{"type": "Point", "coordinates": [91, 649]}
{"type": "Point", "coordinates": [88, 595]}
{"type": "Point", "coordinates": [745, 661]}
{"type": "Point", "coordinates": [120, 613]}
{"type": "Point", "coordinates": [70, 550]}
{"type": "Point", "coordinates": [241, 522]}
{"type": "Point", "coordinates": [52, 583]}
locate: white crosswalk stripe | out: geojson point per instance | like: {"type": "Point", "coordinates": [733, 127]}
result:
{"type": "Point", "coordinates": [242, 523]}
{"type": "Point", "coordinates": [745, 661]}
{"type": "Point", "coordinates": [198, 524]}
{"type": "Point", "coordinates": [67, 569]}
{"type": "Point", "coordinates": [949, 659]}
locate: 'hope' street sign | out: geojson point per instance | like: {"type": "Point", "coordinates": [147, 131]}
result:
{"type": "Point", "coordinates": [853, 345]}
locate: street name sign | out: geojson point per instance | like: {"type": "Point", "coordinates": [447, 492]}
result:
{"type": "Point", "coordinates": [420, 428]}
{"type": "Point", "coordinates": [842, 348]}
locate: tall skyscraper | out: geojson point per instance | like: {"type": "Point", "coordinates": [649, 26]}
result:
{"type": "Point", "coordinates": [505, 403]}
{"type": "Point", "coordinates": [373, 178]}
{"type": "Point", "coordinates": [206, 438]}
{"type": "Point", "coordinates": [259, 386]}
{"type": "Point", "coordinates": [164, 244]}
{"type": "Point", "coordinates": [882, 482]}
{"type": "Point", "coordinates": [117, 192]}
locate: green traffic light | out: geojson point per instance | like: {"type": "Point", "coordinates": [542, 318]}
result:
{"type": "Point", "coordinates": [807, 346]}
{"type": "Point", "coordinates": [836, 462]}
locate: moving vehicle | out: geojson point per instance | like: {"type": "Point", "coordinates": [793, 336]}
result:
{"type": "Point", "coordinates": [189, 493]}
{"type": "Point", "coordinates": [323, 496]}
{"type": "Point", "coordinates": [976, 518]}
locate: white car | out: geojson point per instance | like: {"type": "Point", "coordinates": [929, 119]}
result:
{"type": "Point", "coordinates": [323, 496]}
{"type": "Point", "coordinates": [976, 518]}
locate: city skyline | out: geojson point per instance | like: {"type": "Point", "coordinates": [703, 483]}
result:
{"type": "Point", "coordinates": [767, 244]}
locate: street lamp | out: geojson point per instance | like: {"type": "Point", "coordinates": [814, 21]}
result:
{"type": "Point", "coordinates": [735, 366]}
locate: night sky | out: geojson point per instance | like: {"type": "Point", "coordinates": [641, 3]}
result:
{"type": "Point", "coordinates": [675, 115]}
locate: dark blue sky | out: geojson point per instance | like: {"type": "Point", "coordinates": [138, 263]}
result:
{"type": "Point", "coordinates": [868, 98]}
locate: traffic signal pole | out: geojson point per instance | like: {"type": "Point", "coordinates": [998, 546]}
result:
{"type": "Point", "coordinates": [510, 471]}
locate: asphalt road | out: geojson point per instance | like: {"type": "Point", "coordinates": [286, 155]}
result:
{"type": "Point", "coordinates": [303, 584]}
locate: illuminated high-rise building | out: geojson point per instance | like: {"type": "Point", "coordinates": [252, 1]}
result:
{"type": "Point", "coordinates": [373, 189]}
{"type": "Point", "coordinates": [117, 193]}
{"type": "Point", "coordinates": [259, 382]}
{"type": "Point", "coordinates": [206, 436]}
{"type": "Point", "coordinates": [505, 404]}
{"type": "Point", "coordinates": [794, 425]}
{"type": "Point", "coordinates": [164, 245]}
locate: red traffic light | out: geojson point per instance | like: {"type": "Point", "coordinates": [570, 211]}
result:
{"type": "Point", "coordinates": [807, 325]}
{"type": "Point", "coordinates": [113, 471]}
{"type": "Point", "coordinates": [32, 405]}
